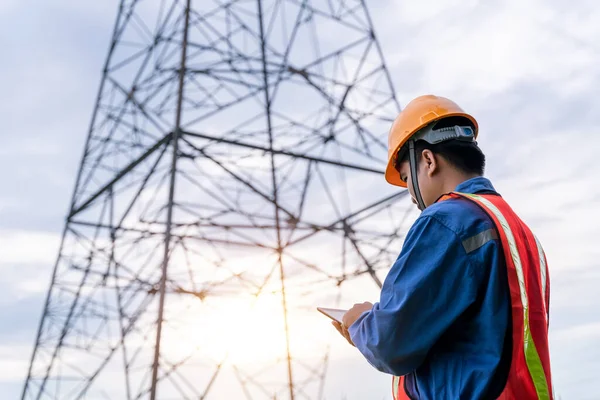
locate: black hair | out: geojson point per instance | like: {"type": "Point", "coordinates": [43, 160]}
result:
{"type": "Point", "coordinates": [465, 156]}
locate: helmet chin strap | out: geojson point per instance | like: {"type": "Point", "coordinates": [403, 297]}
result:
{"type": "Point", "coordinates": [412, 161]}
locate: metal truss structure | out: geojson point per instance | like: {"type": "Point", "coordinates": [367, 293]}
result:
{"type": "Point", "coordinates": [231, 181]}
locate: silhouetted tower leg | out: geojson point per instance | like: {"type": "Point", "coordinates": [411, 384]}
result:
{"type": "Point", "coordinates": [231, 181]}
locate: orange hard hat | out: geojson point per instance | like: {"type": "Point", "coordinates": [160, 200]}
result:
{"type": "Point", "coordinates": [417, 114]}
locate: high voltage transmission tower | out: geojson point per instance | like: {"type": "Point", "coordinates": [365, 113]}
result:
{"type": "Point", "coordinates": [231, 181]}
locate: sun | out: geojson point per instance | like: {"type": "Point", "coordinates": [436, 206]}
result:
{"type": "Point", "coordinates": [235, 330]}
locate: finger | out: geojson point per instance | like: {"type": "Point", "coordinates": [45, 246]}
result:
{"type": "Point", "coordinates": [345, 332]}
{"type": "Point", "coordinates": [347, 336]}
{"type": "Point", "coordinates": [338, 327]}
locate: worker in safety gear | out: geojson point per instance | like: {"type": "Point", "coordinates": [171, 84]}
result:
{"type": "Point", "coordinates": [463, 312]}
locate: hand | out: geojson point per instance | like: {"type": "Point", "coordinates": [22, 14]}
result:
{"type": "Point", "coordinates": [349, 318]}
{"type": "Point", "coordinates": [343, 330]}
{"type": "Point", "coordinates": [352, 314]}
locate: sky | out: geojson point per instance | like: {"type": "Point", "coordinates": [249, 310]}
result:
{"type": "Point", "coordinates": [526, 70]}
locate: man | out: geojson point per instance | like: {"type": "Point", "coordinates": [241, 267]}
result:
{"type": "Point", "coordinates": [463, 312]}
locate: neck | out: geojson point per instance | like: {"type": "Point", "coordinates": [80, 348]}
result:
{"type": "Point", "coordinates": [455, 178]}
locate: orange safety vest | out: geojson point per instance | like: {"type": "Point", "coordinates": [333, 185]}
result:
{"type": "Point", "coordinates": [529, 376]}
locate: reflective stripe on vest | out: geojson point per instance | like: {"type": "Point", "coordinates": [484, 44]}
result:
{"type": "Point", "coordinates": [395, 386]}
{"type": "Point", "coordinates": [543, 267]}
{"type": "Point", "coordinates": [398, 388]}
{"type": "Point", "coordinates": [529, 375]}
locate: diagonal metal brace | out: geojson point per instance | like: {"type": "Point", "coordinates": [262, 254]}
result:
{"type": "Point", "coordinates": [283, 152]}
{"type": "Point", "coordinates": [121, 174]}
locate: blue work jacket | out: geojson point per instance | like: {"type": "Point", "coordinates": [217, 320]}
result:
{"type": "Point", "coordinates": [443, 318]}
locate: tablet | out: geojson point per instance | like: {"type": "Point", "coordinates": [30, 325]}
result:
{"type": "Point", "coordinates": [334, 313]}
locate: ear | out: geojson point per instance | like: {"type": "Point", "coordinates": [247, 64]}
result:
{"type": "Point", "coordinates": [430, 162]}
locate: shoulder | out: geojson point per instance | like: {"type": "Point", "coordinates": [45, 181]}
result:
{"type": "Point", "coordinates": [460, 216]}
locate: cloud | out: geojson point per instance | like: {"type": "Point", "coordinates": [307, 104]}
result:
{"type": "Point", "coordinates": [13, 366]}
{"type": "Point", "coordinates": [48, 92]}
{"type": "Point", "coordinates": [479, 49]}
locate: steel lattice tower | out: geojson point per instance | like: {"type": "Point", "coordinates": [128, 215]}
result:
{"type": "Point", "coordinates": [230, 182]}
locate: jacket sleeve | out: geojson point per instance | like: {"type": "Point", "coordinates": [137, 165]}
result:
{"type": "Point", "coordinates": [429, 286]}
